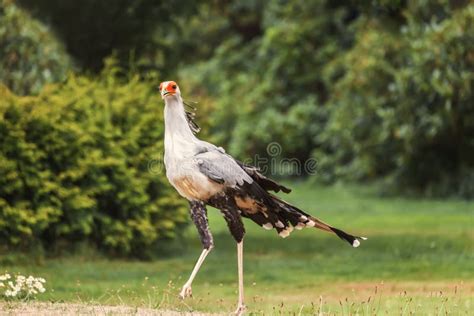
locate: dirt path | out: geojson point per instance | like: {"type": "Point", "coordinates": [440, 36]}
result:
{"type": "Point", "coordinates": [57, 309]}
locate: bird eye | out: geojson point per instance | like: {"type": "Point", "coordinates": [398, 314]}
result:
{"type": "Point", "coordinates": [173, 86]}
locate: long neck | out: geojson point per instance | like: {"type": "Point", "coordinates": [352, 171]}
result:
{"type": "Point", "coordinates": [178, 136]}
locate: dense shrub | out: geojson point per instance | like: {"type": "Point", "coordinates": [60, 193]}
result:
{"type": "Point", "coordinates": [80, 162]}
{"type": "Point", "coordinates": [30, 56]}
{"type": "Point", "coordinates": [404, 108]}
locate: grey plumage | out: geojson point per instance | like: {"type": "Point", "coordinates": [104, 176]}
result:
{"type": "Point", "coordinates": [217, 165]}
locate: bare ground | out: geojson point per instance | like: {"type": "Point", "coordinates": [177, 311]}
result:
{"type": "Point", "coordinates": [38, 308]}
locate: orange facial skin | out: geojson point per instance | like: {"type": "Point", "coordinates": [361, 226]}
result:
{"type": "Point", "coordinates": [169, 88]}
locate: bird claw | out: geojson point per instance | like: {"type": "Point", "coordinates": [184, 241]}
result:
{"type": "Point", "coordinates": [240, 310]}
{"type": "Point", "coordinates": [186, 291]}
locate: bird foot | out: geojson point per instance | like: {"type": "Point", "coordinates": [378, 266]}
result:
{"type": "Point", "coordinates": [240, 309]}
{"type": "Point", "coordinates": [186, 291]}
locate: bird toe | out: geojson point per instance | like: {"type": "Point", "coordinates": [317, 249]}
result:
{"type": "Point", "coordinates": [240, 310]}
{"type": "Point", "coordinates": [186, 292]}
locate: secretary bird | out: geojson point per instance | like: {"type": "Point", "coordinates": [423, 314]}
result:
{"type": "Point", "coordinates": [205, 175]}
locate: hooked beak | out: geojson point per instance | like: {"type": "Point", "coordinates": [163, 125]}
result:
{"type": "Point", "coordinates": [165, 93]}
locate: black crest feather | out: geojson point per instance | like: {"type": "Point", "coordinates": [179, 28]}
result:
{"type": "Point", "coordinates": [190, 116]}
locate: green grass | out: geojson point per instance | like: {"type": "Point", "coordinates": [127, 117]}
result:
{"type": "Point", "coordinates": [418, 259]}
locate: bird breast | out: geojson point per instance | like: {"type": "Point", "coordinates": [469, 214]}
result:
{"type": "Point", "coordinates": [190, 182]}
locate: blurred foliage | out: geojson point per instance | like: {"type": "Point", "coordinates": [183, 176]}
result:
{"type": "Point", "coordinates": [269, 86]}
{"type": "Point", "coordinates": [379, 90]}
{"type": "Point", "coordinates": [30, 55]}
{"type": "Point", "coordinates": [81, 162]}
{"type": "Point", "coordinates": [404, 107]}
{"type": "Point", "coordinates": [139, 30]}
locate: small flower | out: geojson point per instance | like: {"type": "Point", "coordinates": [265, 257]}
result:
{"type": "Point", "coordinates": [4, 277]}
{"type": "Point", "coordinates": [21, 286]}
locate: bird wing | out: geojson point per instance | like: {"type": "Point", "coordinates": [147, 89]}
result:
{"type": "Point", "coordinates": [252, 200]}
{"type": "Point", "coordinates": [266, 183]}
{"type": "Point", "coordinates": [222, 168]}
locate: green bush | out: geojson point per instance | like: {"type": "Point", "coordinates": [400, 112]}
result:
{"type": "Point", "coordinates": [404, 108]}
{"type": "Point", "coordinates": [30, 56]}
{"type": "Point", "coordinates": [80, 162]}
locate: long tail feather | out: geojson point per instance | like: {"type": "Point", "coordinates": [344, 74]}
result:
{"type": "Point", "coordinates": [290, 212]}
{"type": "Point", "coordinates": [353, 240]}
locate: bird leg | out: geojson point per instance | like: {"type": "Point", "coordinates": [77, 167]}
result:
{"type": "Point", "coordinates": [186, 290]}
{"type": "Point", "coordinates": [232, 216]}
{"type": "Point", "coordinates": [198, 214]}
{"type": "Point", "coordinates": [240, 266]}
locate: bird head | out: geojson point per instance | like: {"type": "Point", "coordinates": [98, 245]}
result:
{"type": "Point", "coordinates": [169, 88]}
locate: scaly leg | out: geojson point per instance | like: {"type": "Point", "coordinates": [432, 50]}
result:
{"type": "Point", "coordinates": [232, 216]}
{"type": "Point", "coordinates": [240, 266]}
{"type": "Point", "coordinates": [187, 291]}
{"type": "Point", "coordinates": [199, 217]}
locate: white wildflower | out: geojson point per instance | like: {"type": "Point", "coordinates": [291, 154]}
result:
{"type": "Point", "coordinates": [21, 286]}
{"type": "Point", "coordinates": [5, 277]}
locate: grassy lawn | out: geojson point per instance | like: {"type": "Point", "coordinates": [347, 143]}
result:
{"type": "Point", "coordinates": [418, 259]}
